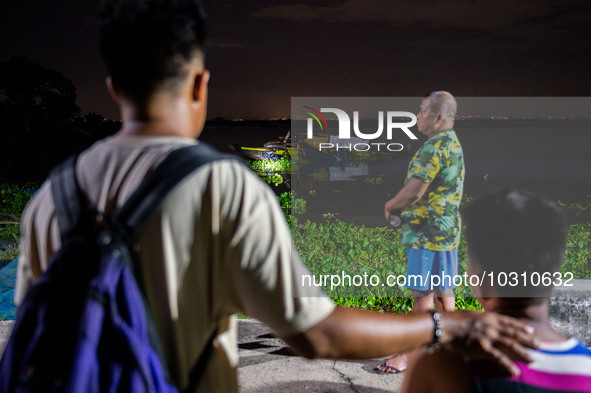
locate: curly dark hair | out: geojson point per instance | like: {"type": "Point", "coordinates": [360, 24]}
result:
{"type": "Point", "coordinates": [516, 231]}
{"type": "Point", "coordinates": [147, 44]}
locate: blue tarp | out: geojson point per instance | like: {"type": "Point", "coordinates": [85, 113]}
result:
{"type": "Point", "coordinates": [7, 282]}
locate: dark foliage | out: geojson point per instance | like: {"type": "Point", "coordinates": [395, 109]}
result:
{"type": "Point", "coordinates": [40, 123]}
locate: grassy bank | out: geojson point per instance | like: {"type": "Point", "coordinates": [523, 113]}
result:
{"type": "Point", "coordinates": [13, 198]}
{"type": "Point", "coordinates": [333, 247]}
{"type": "Point", "coordinates": [345, 249]}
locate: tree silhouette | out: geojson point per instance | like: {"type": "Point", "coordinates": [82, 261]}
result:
{"type": "Point", "coordinates": [37, 111]}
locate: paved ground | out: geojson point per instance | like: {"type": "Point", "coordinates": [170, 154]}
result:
{"type": "Point", "coordinates": [267, 366]}
{"type": "Point", "coordinates": [5, 329]}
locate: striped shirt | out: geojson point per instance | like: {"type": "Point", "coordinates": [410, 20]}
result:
{"type": "Point", "coordinates": [562, 367]}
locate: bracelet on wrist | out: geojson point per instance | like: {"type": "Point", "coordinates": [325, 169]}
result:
{"type": "Point", "coordinates": [437, 332]}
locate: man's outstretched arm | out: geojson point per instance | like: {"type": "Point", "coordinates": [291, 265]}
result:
{"type": "Point", "coordinates": [356, 334]}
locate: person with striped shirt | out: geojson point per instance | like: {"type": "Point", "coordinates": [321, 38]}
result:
{"type": "Point", "coordinates": [515, 235]}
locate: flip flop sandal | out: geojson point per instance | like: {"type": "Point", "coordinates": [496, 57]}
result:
{"type": "Point", "coordinates": [390, 369]}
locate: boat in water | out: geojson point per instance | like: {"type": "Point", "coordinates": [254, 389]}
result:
{"type": "Point", "coordinates": [273, 150]}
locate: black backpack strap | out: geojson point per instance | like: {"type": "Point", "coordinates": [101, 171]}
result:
{"type": "Point", "coordinates": [67, 198]}
{"type": "Point", "coordinates": [154, 188]}
{"type": "Point", "coordinates": [143, 202]}
{"type": "Point", "coordinates": [200, 365]}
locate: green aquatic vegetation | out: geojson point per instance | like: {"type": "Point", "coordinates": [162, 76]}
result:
{"type": "Point", "coordinates": [468, 303]}
{"type": "Point", "coordinates": [334, 247]}
{"type": "Point", "coordinates": [275, 179]}
{"type": "Point", "coordinates": [577, 258]}
{"type": "Point", "coordinates": [467, 198]}
{"type": "Point", "coordinates": [285, 200]}
{"type": "Point", "coordinates": [374, 180]}
{"type": "Point", "coordinates": [9, 254]}
{"type": "Point", "coordinates": [398, 304]}
{"type": "Point", "coordinates": [291, 205]}
{"type": "Point", "coordinates": [298, 205]}
{"type": "Point", "coordinates": [329, 215]}
{"type": "Point", "coordinates": [281, 165]}
{"type": "Point", "coordinates": [9, 230]}
{"type": "Point", "coordinates": [268, 169]}
{"type": "Point", "coordinates": [339, 248]}
{"type": "Point", "coordinates": [13, 199]}
{"type": "Point", "coordinates": [576, 208]}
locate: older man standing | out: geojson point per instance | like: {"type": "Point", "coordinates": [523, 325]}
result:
{"type": "Point", "coordinates": [430, 201]}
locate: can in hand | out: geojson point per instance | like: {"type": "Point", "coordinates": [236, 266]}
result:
{"type": "Point", "coordinates": [395, 220]}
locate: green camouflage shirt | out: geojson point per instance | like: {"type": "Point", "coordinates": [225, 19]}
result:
{"type": "Point", "coordinates": [434, 223]}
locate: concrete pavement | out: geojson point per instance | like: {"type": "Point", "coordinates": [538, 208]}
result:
{"type": "Point", "coordinates": [268, 366]}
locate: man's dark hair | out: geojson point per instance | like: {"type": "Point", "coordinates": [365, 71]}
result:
{"type": "Point", "coordinates": [146, 44]}
{"type": "Point", "coordinates": [515, 231]}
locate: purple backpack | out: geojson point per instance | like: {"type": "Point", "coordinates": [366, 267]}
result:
{"type": "Point", "coordinates": [85, 326]}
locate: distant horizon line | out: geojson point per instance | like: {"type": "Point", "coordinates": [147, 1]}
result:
{"type": "Point", "coordinates": [459, 117]}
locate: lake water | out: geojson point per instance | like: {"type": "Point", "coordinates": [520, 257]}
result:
{"type": "Point", "coordinates": [551, 157]}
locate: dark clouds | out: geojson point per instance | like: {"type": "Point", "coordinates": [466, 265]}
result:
{"type": "Point", "coordinates": [436, 13]}
{"type": "Point", "coordinates": [395, 48]}
{"type": "Point", "coordinates": [263, 53]}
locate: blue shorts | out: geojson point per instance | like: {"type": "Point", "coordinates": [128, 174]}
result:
{"type": "Point", "coordinates": [423, 264]}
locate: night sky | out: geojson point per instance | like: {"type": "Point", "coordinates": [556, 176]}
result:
{"type": "Point", "coordinates": [262, 53]}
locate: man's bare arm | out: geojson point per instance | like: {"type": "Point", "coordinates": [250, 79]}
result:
{"type": "Point", "coordinates": [357, 334]}
{"type": "Point", "coordinates": [410, 194]}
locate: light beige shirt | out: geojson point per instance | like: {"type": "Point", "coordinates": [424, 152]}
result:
{"type": "Point", "coordinates": [218, 245]}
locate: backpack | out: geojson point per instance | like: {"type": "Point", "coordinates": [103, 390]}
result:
{"type": "Point", "coordinates": [85, 327]}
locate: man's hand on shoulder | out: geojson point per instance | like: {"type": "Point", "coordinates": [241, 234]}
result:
{"type": "Point", "coordinates": [490, 335]}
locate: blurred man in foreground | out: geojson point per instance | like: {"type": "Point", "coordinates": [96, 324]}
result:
{"type": "Point", "coordinates": [219, 244]}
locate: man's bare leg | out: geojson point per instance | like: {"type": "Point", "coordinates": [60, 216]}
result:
{"type": "Point", "coordinates": [423, 301]}
{"type": "Point", "coordinates": [445, 300]}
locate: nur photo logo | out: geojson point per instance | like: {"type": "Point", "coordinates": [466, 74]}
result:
{"type": "Point", "coordinates": [352, 137]}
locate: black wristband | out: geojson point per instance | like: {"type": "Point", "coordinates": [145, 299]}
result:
{"type": "Point", "coordinates": [437, 332]}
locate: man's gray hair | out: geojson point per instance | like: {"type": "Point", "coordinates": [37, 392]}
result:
{"type": "Point", "coordinates": [443, 102]}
